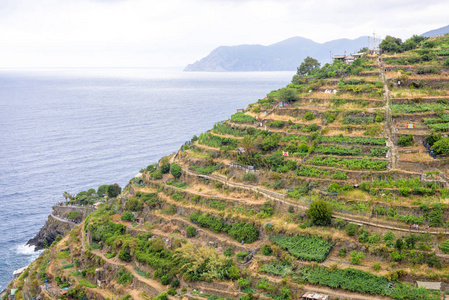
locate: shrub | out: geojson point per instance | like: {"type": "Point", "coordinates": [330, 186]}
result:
{"type": "Point", "coordinates": [342, 252]}
{"type": "Point", "coordinates": [228, 252]}
{"type": "Point", "coordinates": [174, 283]}
{"type": "Point", "coordinates": [320, 212]}
{"type": "Point", "coordinates": [125, 255]}
{"type": "Point", "coordinates": [124, 277]}
{"type": "Point", "coordinates": [166, 279]}
{"type": "Point", "coordinates": [351, 229]}
{"type": "Point", "coordinates": [244, 232]}
{"type": "Point", "coordinates": [191, 231]}
{"type": "Point", "coordinates": [244, 283]}
{"type": "Point", "coordinates": [156, 174]}
{"type": "Point", "coordinates": [176, 170]}
{"type": "Point", "coordinates": [356, 257]}
{"type": "Point", "coordinates": [249, 177]}
{"type": "Point", "coordinates": [379, 118]}
{"type": "Point", "coordinates": [309, 116]}
{"type": "Point", "coordinates": [73, 215]}
{"type": "Point", "coordinates": [163, 296]}
{"type": "Point", "coordinates": [266, 250]}
{"type": "Point", "coordinates": [234, 273]}
{"type": "Point", "coordinates": [133, 204]}
{"type": "Point", "coordinates": [376, 267]}
{"type": "Point", "coordinates": [441, 146]}
{"type": "Point", "coordinates": [127, 216]}
{"type": "Point", "coordinates": [405, 140]}
{"type": "Point", "coordinates": [334, 187]}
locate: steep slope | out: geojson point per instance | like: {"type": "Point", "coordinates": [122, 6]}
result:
{"type": "Point", "coordinates": [322, 186]}
{"type": "Point", "coordinates": [282, 56]}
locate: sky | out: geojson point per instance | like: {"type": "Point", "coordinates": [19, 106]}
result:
{"type": "Point", "coordinates": [173, 33]}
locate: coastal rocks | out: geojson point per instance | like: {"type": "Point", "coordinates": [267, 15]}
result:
{"type": "Point", "coordinates": [48, 233]}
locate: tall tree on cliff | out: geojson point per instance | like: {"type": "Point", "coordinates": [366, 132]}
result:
{"type": "Point", "coordinates": [114, 190]}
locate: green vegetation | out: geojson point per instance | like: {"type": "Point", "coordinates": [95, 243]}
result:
{"type": "Point", "coordinates": [242, 118]}
{"type": "Point", "coordinates": [350, 164]}
{"type": "Point", "coordinates": [175, 170]}
{"type": "Point", "coordinates": [340, 139]}
{"type": "Point", "coordinates": [239, 231]}
{"type": "Point", "coordinates": [417, 107]}
{"type": "Point", "coordinates": [337, 150]}
{"type": "Point", "coordinates": [405, 141]}
{"type": "Point", "coordinates": [320, 213]}
{"type": "Point", "coordinates": [216, 141]}
{"type": "Point", "coordinates": [364, 282]}
{"type": "Point", "coordinates": [304, 247]}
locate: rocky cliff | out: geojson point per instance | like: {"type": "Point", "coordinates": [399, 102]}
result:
{"type": "Point", "coordinates": [57, 224]}
{"type": "Point", "coordinates": [48, 233]}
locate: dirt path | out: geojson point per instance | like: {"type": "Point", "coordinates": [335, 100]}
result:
{"type": "Point", "coordinates": [333, 292]}
{"type": "Point", "coordinates": [388, 129]}
{"type": "Point", "coordinates": [305, 207]}
{"type": "Point", "coordinates": [63, 220]}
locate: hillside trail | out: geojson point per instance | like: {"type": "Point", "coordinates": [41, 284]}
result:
{"type": "Point", "coordinates": [305, 207]}
{"type": "Point", "coordinates": [334, 292]}
{"type": "Point", "coordinates": [153, 283]}
{"type": "Point", "coordinates": [388, 129]}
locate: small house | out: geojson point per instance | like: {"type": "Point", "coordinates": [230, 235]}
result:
{"type": "Point", "coordinates": [240, 110]}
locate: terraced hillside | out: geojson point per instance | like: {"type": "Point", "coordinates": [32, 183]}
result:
{"type": "Point", "coordinates": [335, 184]}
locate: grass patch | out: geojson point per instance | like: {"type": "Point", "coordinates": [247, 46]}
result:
{"type": "Point", "coordinates": [86, 283]}
{"type": "Point", "coordinates": [63, 255]}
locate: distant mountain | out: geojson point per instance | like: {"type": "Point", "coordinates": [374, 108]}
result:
{"type": "Point", "coordinates": [437, 32]}
{"type": "Point", "coordinates": [286, 55]}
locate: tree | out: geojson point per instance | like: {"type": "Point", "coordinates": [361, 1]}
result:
{"type": "Point", "coordinates": [250, 143]}
{"type": "Point", "coordinates": [391, 44]}
{"type": "Point", "coordinates": [102, 189]}
{"type": "Point", "coordinates": [114, 190]}
{"type": "Point", "coordinates": [134, 204]}
{"type": "Point", "coordinates": [308, 66]}
{"type": "Point", "coordinates": [441, 146]}
{"type": "Point", "coordinates": [176, 170]}
{"type": "Point", "coordinates": [191, 231]}
{"type": "Point", "coordinates": [320, 212]}
{"type": "Point", "coordinates": [125, 255]}
{"type": "Point", "coordinates": [127, 216]}
{"type": "Point", "coordinates": [364, 49]}
{"type": "Point", "coordinates": [66, 195]}
{"type": "Point", "coordinates": [73, 215]}
{"type": "Point", "coordinates": [356, 257]}
{"type": "Point", "coordinates": [287, 94]}
{"type": "Point", "coordinates": [399, 244]}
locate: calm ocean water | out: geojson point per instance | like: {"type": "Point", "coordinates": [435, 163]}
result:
{"type": "Point", "coordinates": [75, 129]}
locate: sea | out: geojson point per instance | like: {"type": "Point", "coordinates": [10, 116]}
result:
{"type": "Point", "coordinates": [76, 129]}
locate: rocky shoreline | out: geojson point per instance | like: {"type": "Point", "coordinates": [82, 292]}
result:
{"type": "Point", "coordinates": [58, 224]}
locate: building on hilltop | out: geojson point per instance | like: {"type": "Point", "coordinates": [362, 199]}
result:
{"type": "Point", "coordinates": [348, 59]}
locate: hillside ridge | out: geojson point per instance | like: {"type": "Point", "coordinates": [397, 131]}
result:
{"type": "Point", "coordinates": [335, 184]}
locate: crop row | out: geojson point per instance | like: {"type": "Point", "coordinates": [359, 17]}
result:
{"type": "Point", "coordinates": [340, 139]}
{"type": "Point", "coordinates": [216, 141]}
{"type": "Point", "coordinates": [224, 129]}
{"type": "Point", "coordinates": [337, 150]}
{"type": "Point", "coordinates": [240, 231]}
{"type": "Point", "coordinates": [304, 247]}
{"type": "Point", "coordinates": [417, 107]}
{"type": "Point", "coordinates": [308, 171]}
{"type": "Point", "coordinates": [242, 118]}
{"type": "Point", "coordinates": [364, 282]}
{"type": "Point", "coordinates": [350, 164]}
